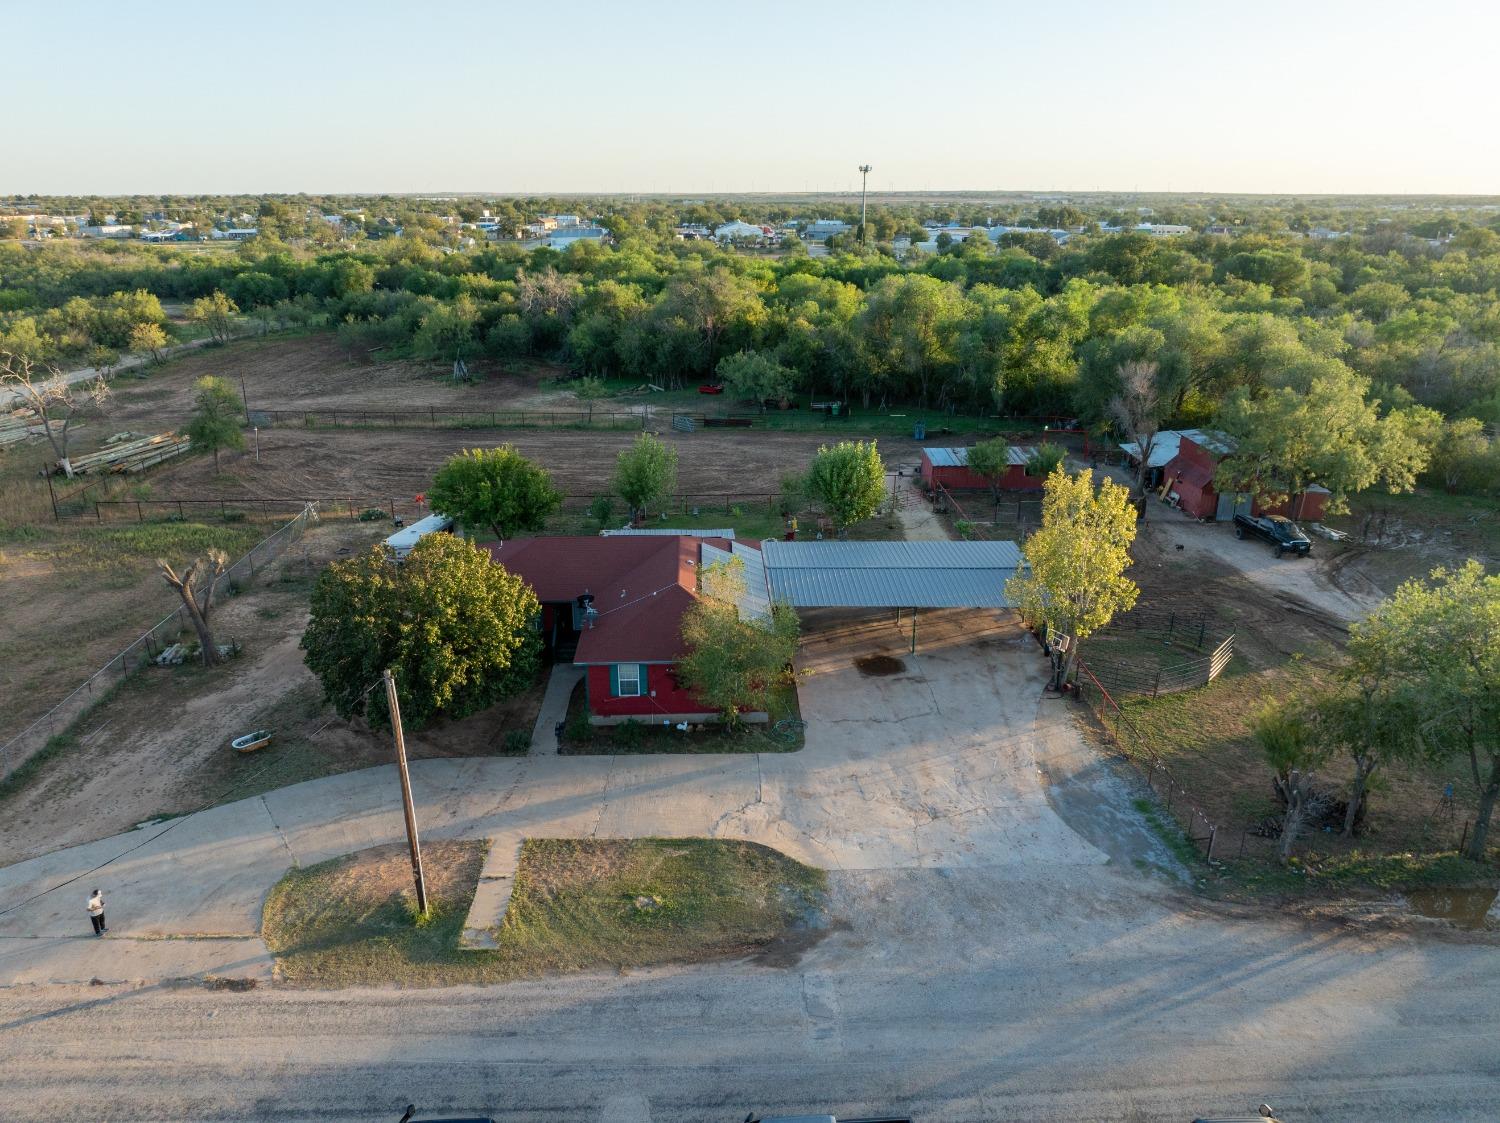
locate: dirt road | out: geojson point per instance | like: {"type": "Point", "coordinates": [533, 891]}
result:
{"type": "Point", "coordinates": [952, 995]}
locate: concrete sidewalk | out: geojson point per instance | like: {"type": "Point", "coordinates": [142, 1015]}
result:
{"type": "Point", "coordinates": [954, 762]}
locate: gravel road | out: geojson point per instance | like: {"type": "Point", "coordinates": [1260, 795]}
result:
{"type": "Point", "coordinates": [953, 995]}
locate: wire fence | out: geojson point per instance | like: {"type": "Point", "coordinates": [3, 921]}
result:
{"type": "Point", "coordinates": [142, 650]}
{"type": "Point", "coordinates": [80, 506]}
{"type": "Point", "coordinates": [1132, 745]}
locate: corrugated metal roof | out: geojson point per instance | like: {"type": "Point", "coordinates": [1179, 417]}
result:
{"type": "Point", "coordinates": [891, 555]}
{"type": "Point", "coordinates": [891, 574]}
{"type": "Point", "coordinates": [756, 603]}
{"type": "Point", "coordinates": [643, 531]}
{"type": "Point", "coordinates": [1163, 448]}
{"type": "Point", "coordinates": [959, 457]}
{"type": "Point", "coordinates": [947, 457]}
{"type": "Point", "coordinates": [1210, 439]}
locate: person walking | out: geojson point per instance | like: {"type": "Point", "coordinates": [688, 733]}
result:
{"type": "Point", "coordinates": [96, 913]}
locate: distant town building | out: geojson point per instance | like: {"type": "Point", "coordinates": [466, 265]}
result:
{"type": "Point", "coordinates": [736, 230]}
{"type": "Point", "coordinates": [826, 228]}
{"type": "Point", "coordinates": [566, 236]}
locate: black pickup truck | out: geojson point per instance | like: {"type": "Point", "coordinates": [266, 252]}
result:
{"type": "Point", "coordinates": [1285, 536]}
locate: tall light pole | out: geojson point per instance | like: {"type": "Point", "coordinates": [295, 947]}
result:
{"type": "Point", "coordinates": [864, 184]}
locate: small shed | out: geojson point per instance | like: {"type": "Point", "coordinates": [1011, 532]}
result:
{"type": "Point", "coordinates": [1188, 480]}
{"type": "Point", "coordinates": [950, 468]}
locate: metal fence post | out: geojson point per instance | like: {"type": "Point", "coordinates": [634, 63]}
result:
{"type": "Point", "coordinates": [1212, 833]}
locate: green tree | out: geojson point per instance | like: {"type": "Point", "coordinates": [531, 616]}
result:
{"type": "Point", "coordinates": [215, 423]}
{"type": "Point", "coordinates": [991, 460]}
{"type": "Point", "coordinates": [456, 628]}
{"type": "Point", "coordinates": [1074, 580]}
{"type": "Point", "coordinates": [149, 338]}
{"type": "Point", "coordinates": [733, 663]}
{"type": "Point", "coordinates": [1294, 755]}
{"type": "Point", "coordinates": [1317, 427]}
{"type": "Point", "coordinates": [1462, 457]}
{"type": "Point", "coordinates": [645, 473]}
{"type": "Point", "coordinates": [1439, 642]}
{"type": "Point", "coordinates": [848, 480]}
{"type": "Point", "coordinates": [496, 488]}
{"type": "Point", "coordinates": [757, 377]}
{"type": "Point", "coordinates": [1045, 459]}
{"type": "Point", "coordinates": [216, 312]}
{"type": "Point", "coordinates": [447, 332]}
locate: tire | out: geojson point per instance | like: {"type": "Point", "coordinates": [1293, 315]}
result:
{"type": "Point", "coordinates": [1278, 551]}
{"type": "Point", "coordinates": [1239, 532]}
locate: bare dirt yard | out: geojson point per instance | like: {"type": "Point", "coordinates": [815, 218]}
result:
{"type": "Point", "coordinates": [159, 744]}
{"type": "Point", "coordinates": [313, 372]}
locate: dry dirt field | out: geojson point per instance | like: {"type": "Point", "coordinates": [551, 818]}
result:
{"type": "Point", "coordinates": [159, 744]}
{"type": "Point", "coordinates": [313, 372]}
{"type": "Point", "coordinates": [374, 465]}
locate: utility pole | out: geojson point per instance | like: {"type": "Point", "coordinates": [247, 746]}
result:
{"type": "Point", "coordinates": [406, 806]}
{"type": "Point", "coordinates": [864, 184]}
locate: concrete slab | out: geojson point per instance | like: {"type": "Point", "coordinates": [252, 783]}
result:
{"type": "Point", "coordinates": [560, 684]}
{"type": "Point", "coordinates": [497, 878]}
{"type": "Point", "coordinates": [958, 760]}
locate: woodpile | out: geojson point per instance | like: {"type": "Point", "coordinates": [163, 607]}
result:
{"type": "Point", "coordinates": [125, 452]}
{"type": "Point", "coordinates": [18, 424]}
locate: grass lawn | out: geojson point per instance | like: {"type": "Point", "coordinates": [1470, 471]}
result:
{"type": "Point", "coordinates": [583, 739]}
{"type": "Point", "coordinates": [578, 904]}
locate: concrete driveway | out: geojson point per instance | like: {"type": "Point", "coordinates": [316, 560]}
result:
{"type": "Point", "coordinates": [955, 760]}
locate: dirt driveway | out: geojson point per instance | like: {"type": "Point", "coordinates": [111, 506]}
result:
{"type": "Point", "coordinates": [1310, 580]}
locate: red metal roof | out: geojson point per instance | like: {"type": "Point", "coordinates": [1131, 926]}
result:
{"type": "Point", "coordinates": [641, 587]}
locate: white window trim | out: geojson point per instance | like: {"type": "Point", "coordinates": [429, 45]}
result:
{"type": "Point", "coordinates": [639, 680]}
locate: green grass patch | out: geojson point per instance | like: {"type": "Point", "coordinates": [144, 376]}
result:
{"type": "Point", "coordinates": [87, 551]}
{"type": "Point", "coordinates": [578, 904]}
{"type": "Point", "coordinates": [1357, 871]}
{"type": "Point", "coordinates": [1167, 829]}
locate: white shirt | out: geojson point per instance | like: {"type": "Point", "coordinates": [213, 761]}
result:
{"type": "Point", "coordinates": [96, 905]}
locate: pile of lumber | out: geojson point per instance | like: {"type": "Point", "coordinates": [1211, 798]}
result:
{"type": "Point", "coordinates": [130, 454]}
{"type": "Point", "coordinates": [18, 424]}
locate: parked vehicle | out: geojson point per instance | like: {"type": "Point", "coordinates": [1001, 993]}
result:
{"type": "Point", "coordinates": [1285, 536]}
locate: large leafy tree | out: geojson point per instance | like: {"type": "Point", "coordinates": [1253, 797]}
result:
{"type": "Point", "coordinates": [1317, 426]}
{"type": "Point", "coordinates": [496, 488]}
{"type": "Point", "coordinates": [756, 376]}
{"type": "Point", "coordinates": [733, 663]}
{"type": "Point", "coordinates": [645, 473]}
{"type": "Point", "coordinates": [1439, 642]}
{"type": "Point", "coordinates": [456, 627]}
{"type": "Point", "coordinates": [1074, 580]}
{"type": "Point", "coordinates": [848, 480]}
{"type": "Point", "coordinates": [215, 423]}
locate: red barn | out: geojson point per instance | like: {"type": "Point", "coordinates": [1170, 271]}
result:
{"type": "Point", "coordinates": [615, 605]}
{"type": "Point", "coordinates": [1188, 478]}
{"type": "Point", "coordinates": [950, 468]}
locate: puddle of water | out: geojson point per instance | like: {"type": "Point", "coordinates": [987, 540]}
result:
{"type": "Point", "coordinates": [1464, 908]}
{"type": "Point", "coordinates": [879, 665]}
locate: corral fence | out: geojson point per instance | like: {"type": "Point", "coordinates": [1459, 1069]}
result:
{"type": "Point", "coordinates": [1133, 746]}
{"type": "Point", "coordinates": [142, 650]}
{"type": "Point", "coordinates": [1144, 652]}
{"type": "Point", "coordinates": [1012, 516]}
{"type": "Point", "coordinates": [407, 508]}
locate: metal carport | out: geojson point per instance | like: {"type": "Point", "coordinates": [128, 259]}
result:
{"type": "Point", "coordinates": [897, 575]}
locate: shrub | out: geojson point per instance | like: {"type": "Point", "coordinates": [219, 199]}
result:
{"type": "Point", "coordinates": [371, 515]}
{"type": "Point", "coordinates": [630, 733]}
{"type": "Point", "coordinates": [578, 728]}
{"type": "Point", "coordinates": [517, 742]}
{"type": "Point", "coordinates": [602, 510]}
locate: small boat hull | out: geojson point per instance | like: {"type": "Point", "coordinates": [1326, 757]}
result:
{"type": "Point", "coordinates": [251, 741]}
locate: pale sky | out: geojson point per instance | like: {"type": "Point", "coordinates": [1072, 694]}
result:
{"type": "Point", "coordinates": [1311, 96]}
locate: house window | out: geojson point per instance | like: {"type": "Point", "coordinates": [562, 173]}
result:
{"type": "Point", "coordinates": [628, 680]}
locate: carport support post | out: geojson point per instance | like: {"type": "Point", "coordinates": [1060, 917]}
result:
{"type": "Point", "coordinates": [406, 805]}
{"type": "Point", "coordinates": [914, 631]}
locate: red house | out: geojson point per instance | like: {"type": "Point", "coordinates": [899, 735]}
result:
{"type": "Point", "coordinates": [1188, 480]}
{"type": "Point", "coordinates": [950, 468]}
{"type": "Point", "coordinates": [614, 606]}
